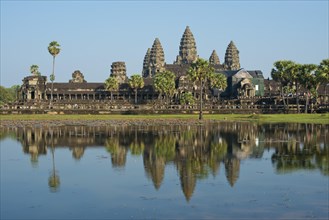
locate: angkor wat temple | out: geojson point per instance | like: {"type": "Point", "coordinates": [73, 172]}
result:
{"type": "Point", "coordinates": [246, 87]}
{"type": "Point", "coordinates": [248, 83]}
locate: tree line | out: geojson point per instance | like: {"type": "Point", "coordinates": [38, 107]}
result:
{"type": "Point", "coordinates": [292, 77]}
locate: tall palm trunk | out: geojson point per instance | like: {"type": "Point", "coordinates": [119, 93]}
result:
{"type": "Point", "coordinates": [135, 96]}
{"type": "Point", "coordinates": [52, 81]}
{"type": "Point", "coordinates": [200, 113]}
{"type": "Point", "coordinates": [282, 95]}
{"type": "Point", "coordinates": [306, 103]}
{"type": "Point", "coordinates": [297, 97]}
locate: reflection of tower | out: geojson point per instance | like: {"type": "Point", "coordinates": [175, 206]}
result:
{"type": "Point", "coordinates": [232, 169]}
{"type": "Point", "coordinates": [78, 152]}
{"type": "Point", "coordinates": [33, 143]}
{"type": "Point", "coordinates": [119, 158]}
{"type": "Point", "coordinates": [187, 178]}
{"type": "Point", "coordinates": [154, 167]}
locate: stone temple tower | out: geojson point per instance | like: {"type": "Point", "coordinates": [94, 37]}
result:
{"type": "Point", "coordinates": [118, 70]}
{"type": "Point", "coordinates": [156, 60]}
{"type": "Point", "coordinates": [187, 48]}
{"type": "Point", "coordinates": [146, 64]}
{"type": "Point", "coordinates": [232, 61]}
{"type": "Point", "coordinates": [214, 59]}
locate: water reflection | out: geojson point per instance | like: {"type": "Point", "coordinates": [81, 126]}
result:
{"type": "Point", "coordinates": [196, 152]}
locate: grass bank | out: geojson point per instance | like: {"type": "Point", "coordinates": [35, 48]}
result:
{"type": "Point", "coordinates": [266, 118]}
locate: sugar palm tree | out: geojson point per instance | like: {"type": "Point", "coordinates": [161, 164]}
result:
{"type": "Point", "coordinates": [307, 80]}
{"type": "Point", "coordinates": [164, 83]}
{"type": "Point", "coordinates": [136, 82]}
{"type": "Point", "coordinates": [200, 71]}
{"type": "Point", "coordinates": [53, 49]}
{"type": "Point", "coordinates": [218, 81]}
{"type": "Point", "coordinates": [322, 72]}
{"type": "Point", "coordinates": [280, 74]}
{"type": "Point", "coordinates": [111, 85]}
{"type": "Point", "coordinates": [34, 69]}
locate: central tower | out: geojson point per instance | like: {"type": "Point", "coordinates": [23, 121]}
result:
{"type": "Point", "coordinates": [187, 48]}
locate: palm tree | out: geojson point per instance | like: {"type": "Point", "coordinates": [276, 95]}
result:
{"type": "Point", "coordinates": [34, 69]}
{"type": "Point", "coordinates": [280, 74]}
{"type": "Point", "coordinates": [53, 49]}
{"type": "Point", "coordinates": [294, 76]}
{"type": "Point", "coordinates": [164, 83]}
{"type": "Point", "coordinates": [187, 99]}
{"type": "Point", "coordinates": [307, 79]}
{"type": "Point", "coordinates": [200, 71]}
{"type": "Point", "coordinates": [111, 85]}
{"type": "Point", "coordinates": [218, 81]}
{"type": "Point", "coordinates": [136, 82]}
{"type": "Point", "coordinates": [322, 72]}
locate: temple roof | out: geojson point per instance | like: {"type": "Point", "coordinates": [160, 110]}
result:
{"type": "Point", "coordinates": [187, 48]}
{"type": "Point", "coordinates": [214, 59]}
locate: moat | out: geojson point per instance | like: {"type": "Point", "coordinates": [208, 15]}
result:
{"type": "Point", "coordinates": [210, 171]}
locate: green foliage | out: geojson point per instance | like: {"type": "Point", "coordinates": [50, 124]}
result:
{"type": "Point", "coordinates": [322, 72]}
{"type": "Point", "coordinates": [164, 83]}
{"type": "Point", "coordinates": [281, 71]}
{"type": "Point", "coordinates": [218, 81]}
{"type": "Point", "coordinates": [34, 69]}
{"type": "Point", "coordinates": [136, 82]}
{"type": "Point", "coordinates": [187, 99]}
{"type": "Point", "coordinates": [54, 48]}
{"type": "Point", "coordinates": [8, 94]}
{"type": "Point", "coordinates": [52, 77]}
{"type": "Point", "coordinates": [111, 84]}
{"type": "Point", "coordinates": [200, 71]}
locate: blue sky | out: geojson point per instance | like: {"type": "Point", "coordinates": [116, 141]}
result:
{"type": "Point", "coordinates": [93, 34]}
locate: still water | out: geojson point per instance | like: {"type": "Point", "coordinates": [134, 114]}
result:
{"type": "Point", "coordinates": [212, 171]}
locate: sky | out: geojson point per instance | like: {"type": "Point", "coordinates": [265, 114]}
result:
{"type": "Point", "coordinates": [93, 34]}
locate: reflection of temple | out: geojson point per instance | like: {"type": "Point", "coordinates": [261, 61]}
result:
{"type": "Point", "coordinates": [241, 83]}
{"type": "Point", "coordinates": [195, 151]}
{"type": "Point", "coordinates": [232, 170]}
{"type": "Point", "coordinates": [154, 167]}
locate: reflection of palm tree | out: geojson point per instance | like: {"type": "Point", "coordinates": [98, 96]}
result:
{"type": "Point", "coordinates": [136, 147]}
{"type": "Point", "coordinates": [53, 180]}
{"type": "Point", "coordinates": [118, 153]}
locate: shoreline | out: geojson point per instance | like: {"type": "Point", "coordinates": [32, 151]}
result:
{"type": "Point", "coordinates": [154, 120]}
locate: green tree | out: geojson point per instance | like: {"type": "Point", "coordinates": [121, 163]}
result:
{"type": "Point", "coordinates": [111, 85]}
{"type": "Point", "coordinates": [164, 83]}
{"type": "Point", "coordinates": [136, 82]}
{"type": "Point", "coordinates": [322, 72]}
{"type": "Point", "coordinates": [218, 81]}
{"type": "Point", "coordinates": [34, 69]}
{"type": "Point", "coordinates": [280, 73]}
{"type": "Point", "coordinates": [200, 71]}
{"type": "Point", "coordinates": [308, 80]}
{"type": "Point", "coordinates": [53, 49]}
{"type": "Point", "coordinates": [294, 74]}
{"type": "Point", "coordinates": [8, 94]}
{"type": "Point", "coordinates": [187, 99]}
